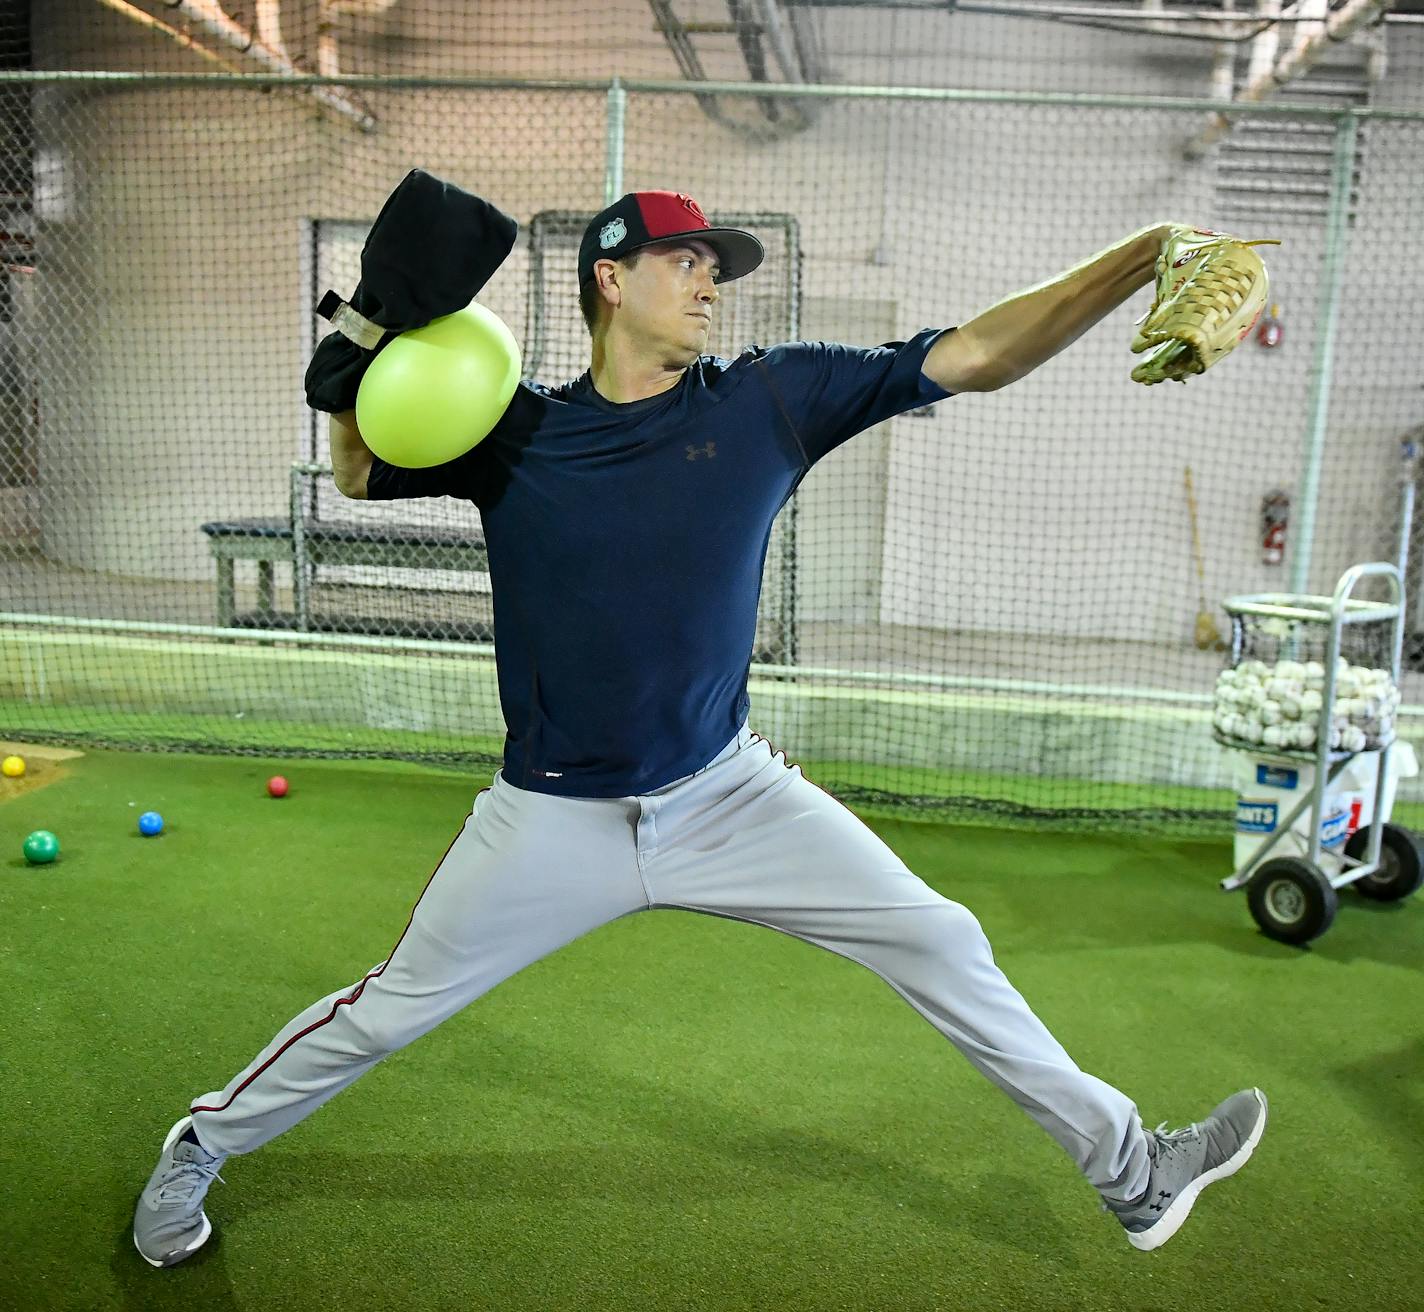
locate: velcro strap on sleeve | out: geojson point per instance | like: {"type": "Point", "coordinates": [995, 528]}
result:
{"type": "Point", "coordinates": [351, 323]}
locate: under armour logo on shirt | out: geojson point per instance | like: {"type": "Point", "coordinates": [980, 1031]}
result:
{"type": "Point", "coordinates": [710, 451]}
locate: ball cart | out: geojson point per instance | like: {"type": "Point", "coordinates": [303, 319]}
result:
{"type": "Point", "coordinates": [1326, 720]}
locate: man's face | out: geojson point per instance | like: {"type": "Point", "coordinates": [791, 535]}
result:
{"type": "Point", "coordinates": [666, 298]}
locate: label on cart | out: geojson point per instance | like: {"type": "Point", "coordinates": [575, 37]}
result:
{"type": "Point", "coordinates": [1255, 817]}
{"type": "Point", "coordinates": [1334, 828]}
{"type": "Point", "coordinates": [1277, 776]}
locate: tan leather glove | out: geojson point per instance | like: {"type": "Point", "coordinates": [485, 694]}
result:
{"type": "Point", "coordinates": [1210, 290]}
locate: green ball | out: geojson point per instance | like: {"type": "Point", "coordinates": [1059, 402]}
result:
{"type": "Point", "coordinates": [41, 847]}
{"type": "Point", "coordinates": [434, 392]}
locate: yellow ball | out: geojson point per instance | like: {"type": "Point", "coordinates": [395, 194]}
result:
{"type": "Point", "coordinates": [434, 392]}
{"type": "Point", "coordinates": [12, 767]}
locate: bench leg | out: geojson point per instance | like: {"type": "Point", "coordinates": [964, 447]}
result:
{"type": "Point", "coordinates": [226, 598]}
{"type": "Point", "coordinates": [265, 602]}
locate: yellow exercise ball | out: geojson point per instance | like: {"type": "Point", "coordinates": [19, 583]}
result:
{"type": "Point", "coordinates": [434, 392]}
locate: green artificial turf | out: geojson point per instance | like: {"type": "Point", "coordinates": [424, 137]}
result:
{"type": "Point", "coordinates": [125, 727]}
{"type": "Point", "coordinates": [675, 1112]}
{"type": "Point", "coordinates": [889, 791]}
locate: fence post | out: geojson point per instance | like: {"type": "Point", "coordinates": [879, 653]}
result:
{"type": "Point", "coordinates": [613, 159]}
{"type": "Point", "coordinates": [1336, 228]}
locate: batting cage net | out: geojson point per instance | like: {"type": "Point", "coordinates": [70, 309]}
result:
{"type": "Point", "coordinates": [1006, 605]}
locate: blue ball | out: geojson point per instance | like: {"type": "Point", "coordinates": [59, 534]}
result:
{"type": "Point", "coordinates": [150, 823]}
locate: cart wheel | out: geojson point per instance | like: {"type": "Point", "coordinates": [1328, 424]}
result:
{"type": "Point", "coordinates": [1401, 869]}
{"type": "Point", "coordinates": [1291, 899]}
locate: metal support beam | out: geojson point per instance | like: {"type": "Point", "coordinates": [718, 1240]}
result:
{"type": "Point", "coordinates": [1336, 228]}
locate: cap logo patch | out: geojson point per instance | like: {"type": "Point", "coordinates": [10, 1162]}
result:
{"type": "Point", "coordinates": [612, 233]}
{"type": "Point", "coordinates": [692, 207]}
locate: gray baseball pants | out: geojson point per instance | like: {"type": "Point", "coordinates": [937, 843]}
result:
{"type": "Point", "coordinates": [747, 837]}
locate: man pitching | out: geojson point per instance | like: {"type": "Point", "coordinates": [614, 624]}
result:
{"type": "Point", "coordinates": [627, 516]}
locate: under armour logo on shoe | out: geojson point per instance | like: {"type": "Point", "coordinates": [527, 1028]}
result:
{"type": "Point", "coordinates": [710, 451]}
{"type": "Point", "coordinates": [1163, 1195]}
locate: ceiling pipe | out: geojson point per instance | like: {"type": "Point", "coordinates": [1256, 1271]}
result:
{"type": "Point", "coordinates": [779, 123]}
{"type": "Point", "coordinates": [172, 33]}
{"type": "Point", "coordinates": [1311, 15]}
{"type": "Point", "coordinates": [1377, 59]}
{"type": "Point", "coordinates": [1301, 57]}
{"type": "Point", "coordinates": [776, 36]}
{"type": "Point", "coordinates": [1151, 18]}
{"type": "Point", "coordinates": [787, 58]}
{"type": "Point", "coordinates": [1148, 16]}
{"type": "Point", "coordinates": [803, 35]}
{"type": "Point", "coordinates": [269, 28]}
{"type": "Point", "coordinates": [327, 64]}
{"type": "Point", "coordinates": [208, 17]}
{"type": "Point", "coordinates": [748, 36]}
{"type": "Point", "coordinates": [1265, 47]}
{"type": "Point", "coordinates": [1223, 66]}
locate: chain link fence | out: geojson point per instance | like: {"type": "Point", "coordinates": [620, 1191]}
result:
{"type": "Point", "coordinates": [985, 608]}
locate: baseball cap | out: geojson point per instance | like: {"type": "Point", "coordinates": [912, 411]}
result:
{"type": "Point", "coordinates": [643, 218]}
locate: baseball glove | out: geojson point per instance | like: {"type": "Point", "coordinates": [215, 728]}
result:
{"type": "Point", "coordinates": [1210, 290]}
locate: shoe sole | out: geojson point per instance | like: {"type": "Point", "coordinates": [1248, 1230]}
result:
{"type": "Point", "coordinates": [1171, 1220]}
{"type": "Point", "coordinates": [172, 1259]}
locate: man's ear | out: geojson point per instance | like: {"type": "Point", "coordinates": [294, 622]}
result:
{"type": "Point", "coordinates": [607, 274]}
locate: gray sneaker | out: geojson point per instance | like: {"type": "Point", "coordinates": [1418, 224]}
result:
{"type": "Point", "coordinates": [169, 1223]}
{"type": "Point", "coordinates": [1185, 1161]}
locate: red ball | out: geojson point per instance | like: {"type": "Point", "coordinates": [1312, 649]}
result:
{"type": "Point", "coordinates": [277, 786]}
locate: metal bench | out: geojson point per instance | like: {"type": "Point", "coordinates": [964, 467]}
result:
{"type": "Point", "coordinates": [305, 543]}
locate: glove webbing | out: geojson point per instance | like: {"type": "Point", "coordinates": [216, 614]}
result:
{"type": "Point", "coordinates": [1217, 286]}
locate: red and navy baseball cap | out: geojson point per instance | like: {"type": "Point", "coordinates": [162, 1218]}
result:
{"type": "Point", "coordinates": [644, 218]}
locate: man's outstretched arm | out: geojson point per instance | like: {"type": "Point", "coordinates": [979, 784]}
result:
{"type": "Point", "coordinates": [1014, 337]}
